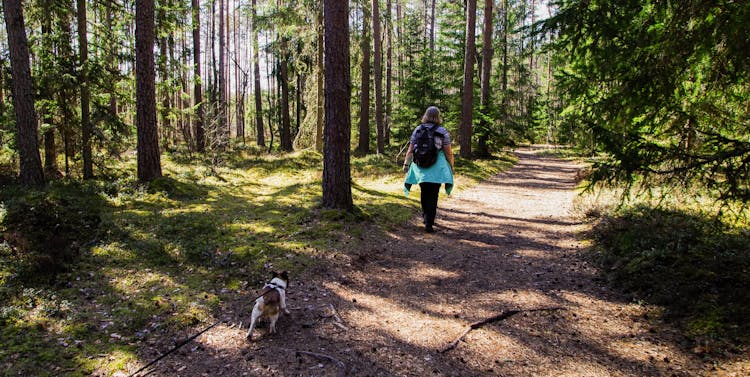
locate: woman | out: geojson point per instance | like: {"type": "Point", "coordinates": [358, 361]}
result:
{"type": "Point", "coordinates": [430, 178]}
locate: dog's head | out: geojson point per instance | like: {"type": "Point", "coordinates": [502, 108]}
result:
{"type": "Point", "coordinates": [282, 276]}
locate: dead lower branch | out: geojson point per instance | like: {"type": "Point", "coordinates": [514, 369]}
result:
{"type": "Point", "coordinates": [495, 318]}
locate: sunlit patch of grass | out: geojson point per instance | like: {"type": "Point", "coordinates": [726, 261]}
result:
{"type": "Point", "coordinates": [114, 361]}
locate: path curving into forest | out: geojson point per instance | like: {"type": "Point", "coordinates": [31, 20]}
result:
{"type": "Point", "coordinates": [510, 243]}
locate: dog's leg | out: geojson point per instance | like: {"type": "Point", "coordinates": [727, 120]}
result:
{"type": "Point", "coordinates": [283, 302]}
{"type": "Point", "coordinates": [272, 326]}
{"type": "Point", "coordinates": [254, 318]}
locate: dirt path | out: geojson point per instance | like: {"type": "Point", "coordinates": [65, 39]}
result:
{"type": "Point", "coordinates": [509, 243]}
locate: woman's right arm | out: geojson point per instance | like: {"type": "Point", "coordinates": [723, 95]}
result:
{"type": "Point", "coordinates": [409, 157]}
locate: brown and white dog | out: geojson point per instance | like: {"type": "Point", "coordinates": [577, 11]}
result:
{"type": "Point", "coordinates": [271, 302]}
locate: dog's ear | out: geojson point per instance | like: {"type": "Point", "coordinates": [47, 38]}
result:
{"type": "Point", "coordinates": [285, 276]}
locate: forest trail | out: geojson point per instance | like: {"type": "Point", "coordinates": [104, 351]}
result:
{"type": "Point", "coordinates": [511, 243]}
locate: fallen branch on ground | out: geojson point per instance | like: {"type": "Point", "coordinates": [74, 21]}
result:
{"type": "Point", "coordinates": [336, 317]}
{"type": "Point", "coordinates": [175, 348]}
{"type": "Point", "coordinates": [338, 363]}
{"type": "Point", "coordinates": [495, 318]}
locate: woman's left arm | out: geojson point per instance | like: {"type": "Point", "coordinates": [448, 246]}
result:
{"type": "Point", "coordinates": [449, 155]}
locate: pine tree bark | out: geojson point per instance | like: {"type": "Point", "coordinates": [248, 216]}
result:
{"type": "Point", "coordinates": [30, 163]}
{"type": "Point", "coordinates": [200, 130]}
{"type": "Point", "coordinates": [364, 109]}
{"type": "Point", "coordinates": [240, 77]}
{"type": "Point", "coordinates": [66, 95]}
{"type": "Point", "coordinates": [149, 159]}
{"type": "Point", "coordinates": [484, 100]}
{"type": "Point", "coordinates": [166, 123]}
{"type": "Point", "coordinates": [378, 73]}
{"type": "Point", "coordinates": [467, 98]}
{"type": "Point", "coordinates": [337, 193]}
{"type": "Point", "coordinates": [531, 38]}
{"type": "Point", "coordinates": [388, 72]}
{"type": "Point", "coordinates": [83, 43]}
{"type": "Point", "coordinates": [504, 78]}
{"type": "Point", "coordinates": [223, 124]}
{"type": "Point", "coordinates": [260, 131]}
{"type": "Point", "coordinates": [46, 91]}
{"type": "Point", "coordinates": [111, 52]}
{"type": "Point", "coordinates": [320, 97]}
{"type": "Point", "coordinates": [285, 132]}
{"type": "Point", "coordinates": [432, 26]}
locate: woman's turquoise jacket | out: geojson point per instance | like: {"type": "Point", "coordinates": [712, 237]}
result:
{"type": "Point", "coordinates": [439, 172]}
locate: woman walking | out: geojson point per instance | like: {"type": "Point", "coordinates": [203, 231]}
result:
{"type": "Point", "coordinates": [429, 163]}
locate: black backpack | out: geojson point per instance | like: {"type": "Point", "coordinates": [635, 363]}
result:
{"type": "Point", "coordinates": [425, 152]}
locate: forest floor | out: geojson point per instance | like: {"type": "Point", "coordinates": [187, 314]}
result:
{"type": "Point", "coordinates": [391, 305]}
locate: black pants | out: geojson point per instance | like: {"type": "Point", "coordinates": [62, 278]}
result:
{"type": "Point", "coordinates": [429, 193]}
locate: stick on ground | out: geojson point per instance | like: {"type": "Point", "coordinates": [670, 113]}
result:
{"type": "Point", "coordinates": [184, 342]}
{"type": "Point", "coordinates": [338, 363]}
{"type": "Point", "coordinates": [495, 318]}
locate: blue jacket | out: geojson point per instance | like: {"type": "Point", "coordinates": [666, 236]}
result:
{"type": "Point", "coordinates": [440, 172]}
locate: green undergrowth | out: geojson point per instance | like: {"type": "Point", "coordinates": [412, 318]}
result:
{"type": "Point", "coordinates": [690, 261]}
{"type": "Point", "coordinates": [90, 272]}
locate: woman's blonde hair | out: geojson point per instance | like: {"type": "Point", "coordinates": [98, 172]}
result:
{"type": "Point", "coordinates": [432, 115]}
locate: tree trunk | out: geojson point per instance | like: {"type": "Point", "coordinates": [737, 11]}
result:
{"type": "Point", "coordinates": [223, 131]}
{"type": "Point", "coordinates": [183, 97]}
{"type": "Point", "coordinates": [239, 77]}
{"type": "Point", "coordinates": [166, 124]}
{"type": "Point", "coordinates": [261, 137]}
{"type": "Point", "coordinates": [286, 135]}
{"type": "Point", "coordinates": [83, 44]}
{"type": "Point", "coordinates": [432, 26]}
{"type": "Point", "coordinates": [531, 38]}
{"type": "Point", "coordinates": [378, 73]}
{"type": "Point", "coordinates": [388, 72]}
{"type": "Point", "coordinates": [2, 90]}
{"type": "Point", "coordinates": [299, 101]}
{"type": "Point", "coordinates": [200, 130]}
{"type": "Point", "coordinates": [46, 91]}
{"type": "Point", "coordinates": [504, 79]}
{"type": "Point", "coordinates": [66, 95]}
{"type": "Point", "coordinates": [149, 159]}
{"type": "Point", "coordinates": [484, 100]}
{"type": "Point", "coordinates": [30, 164]}
{"type": "Point", "coordinates": [337, 192]}
{"type": "Point", "coordinates": [467, 98]}
{"type": "Point", "coordinates": [364, 109]}
{"type": "Point", "coordinates": [111, 53]}
{"type": "Point", "coordinates": [320, 97]}
{"type": "Point", "coordinates": [399, 54]}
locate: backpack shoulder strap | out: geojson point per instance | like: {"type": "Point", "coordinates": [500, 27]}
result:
{"type": "Point", "coordinates": [434, 129]}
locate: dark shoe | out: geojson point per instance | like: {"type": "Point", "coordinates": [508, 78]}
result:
{"type": "Point", "coordinates": [429, 229]}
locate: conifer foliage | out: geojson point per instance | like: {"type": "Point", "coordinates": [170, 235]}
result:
{"type": "Point", "coordinates": [663, 88]}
